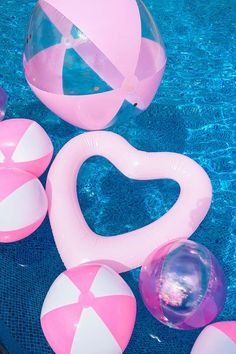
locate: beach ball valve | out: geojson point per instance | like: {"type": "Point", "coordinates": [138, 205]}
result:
{"type": "Point", "coordinates": [93, 61]}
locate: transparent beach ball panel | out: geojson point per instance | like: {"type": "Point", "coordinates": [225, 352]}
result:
{"type": "Point", "coordinates": [65, 61]}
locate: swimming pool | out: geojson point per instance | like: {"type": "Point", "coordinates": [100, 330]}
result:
{"type": "Point", "coordinates": [194, 113]}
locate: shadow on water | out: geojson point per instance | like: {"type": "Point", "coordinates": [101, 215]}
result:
{"type": "Point", "coordinates": [159, 128]}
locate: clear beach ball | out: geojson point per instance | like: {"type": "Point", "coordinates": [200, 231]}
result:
{"type": "Point", "coordinates": [91, 62]}
{"type": "Point", "coordinates": [183, 285]}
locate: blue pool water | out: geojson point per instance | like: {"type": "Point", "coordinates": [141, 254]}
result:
{"type": "Point", "coordinates": [194, 113]}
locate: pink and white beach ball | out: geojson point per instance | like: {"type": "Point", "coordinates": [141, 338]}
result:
{"type": "Point", "coordinates": [23, 204]}
{"type": "Point", "coordinates": [93, 61]}
{"type": "Point", "coordinates": [24, 144]}
{"type": "Point", "coordinates": [89, 310]}
{"type": "Point", "coordinates": [217, 338]}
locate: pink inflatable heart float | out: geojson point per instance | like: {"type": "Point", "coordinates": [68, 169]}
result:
{"type": "Point", "coordinates": [77, 243]}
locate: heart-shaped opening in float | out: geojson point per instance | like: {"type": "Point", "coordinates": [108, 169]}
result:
{"type": "Point", "coordinates": [113, 204]}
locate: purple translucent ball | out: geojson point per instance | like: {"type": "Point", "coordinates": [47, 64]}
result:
{"type": "Point", "coordinates": [183, 285]}
{"type": "Point", "coordinates": [3, 103]}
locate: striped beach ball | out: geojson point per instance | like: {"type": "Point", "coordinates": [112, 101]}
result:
{"type": "Point", "coordinates": [218, 338]}
{"type": "Point", "coordinates": [93, 61]}
{"type": "Point", "coordinates": [89, 310]}
{"type": "Point", "coordinates": [24, 144]}
{"type": "Point", "coordinates": [23, 204]}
